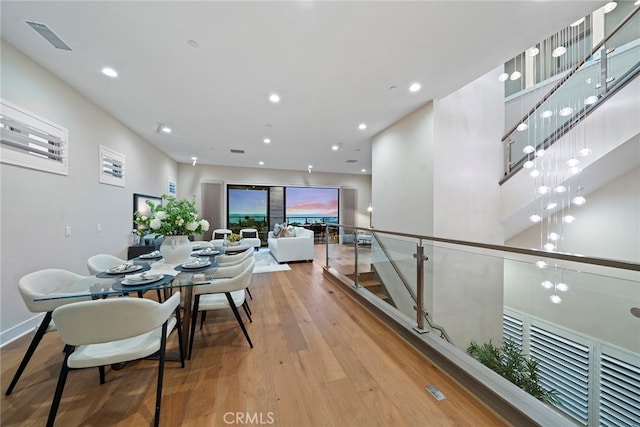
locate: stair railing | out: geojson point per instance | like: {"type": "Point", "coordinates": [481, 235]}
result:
{"type": "Point", "coordinates": [603, 90]}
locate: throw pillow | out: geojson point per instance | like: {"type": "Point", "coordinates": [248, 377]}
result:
{"type": "Point", "coordinates": [250, 234]}
{"type": "Point", "coordinates": [277, 229]}
{"type": "Point", "coordinates": [290, 232]}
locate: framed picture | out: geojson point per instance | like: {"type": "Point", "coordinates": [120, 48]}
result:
{"type": "Point", "coordinates": [140, 205]}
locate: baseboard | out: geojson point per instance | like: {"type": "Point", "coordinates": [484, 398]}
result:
{"type": "Point", "coordinates": [20, 330]}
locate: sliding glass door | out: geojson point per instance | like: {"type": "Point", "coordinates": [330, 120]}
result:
{"type": "Point", "coordinates": [248, 207]}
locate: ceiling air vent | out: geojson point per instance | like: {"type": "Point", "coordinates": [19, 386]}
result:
{"type": "Point", "coordinates": [351, 161]}
{"type": "Point", "coordinates": [48, 35]}
{"type": "Point", "coordinates": [236, 151]}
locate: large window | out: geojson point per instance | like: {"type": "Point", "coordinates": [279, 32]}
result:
{"type": "Point", "coordinates": [248, 208]}
{"type": "Point", "coordinates": [309, 205]}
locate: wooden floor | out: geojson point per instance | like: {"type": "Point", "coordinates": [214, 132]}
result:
{"type": "Point", "coordinates": [319, 360]}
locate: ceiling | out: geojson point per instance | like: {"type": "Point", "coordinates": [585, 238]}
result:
{"type": "Point", "coordinates": [334, 64]}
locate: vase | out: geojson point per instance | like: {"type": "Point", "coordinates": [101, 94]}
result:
{"type": "Point", "coordinates": [175, 249]}
{"type": "Point", "coordinates": [234, 243]}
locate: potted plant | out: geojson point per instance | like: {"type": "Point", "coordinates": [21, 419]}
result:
{"type": "Point", "coordinates": [234, 239]}
{"type": "Point", "coordinates": [176, 220]}
{"type": "Point", "coordinates": [516, 367]}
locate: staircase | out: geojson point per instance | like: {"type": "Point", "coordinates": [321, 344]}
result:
{"type": "Point", "coordinates": [371, 282]}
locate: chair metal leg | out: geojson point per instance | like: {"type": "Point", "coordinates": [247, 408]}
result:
{"type": "Point", "coordinates": [163, 346]}
{"type": "Point", "coordinates": [194, 317]}
{"type": "Point", "coordinates": [238, 318]}
{"type": "Point", "coordinates": [59, 389]}
{"type": "Point", "coordinates": [102, 376]}
{"type": "Point", "coordinates": [249, 292]}
{"type": "Point", "coordinates": [42, 329]}
{"type": "Point", "coordinates": [203, 317]}
{"type": "Point", "coordinates": [247, 311]}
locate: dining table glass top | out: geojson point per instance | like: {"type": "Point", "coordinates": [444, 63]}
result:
{"type": "Point", "coordinates": [154, 274]}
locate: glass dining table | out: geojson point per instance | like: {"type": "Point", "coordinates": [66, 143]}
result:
{"type": "Point", "coordinates": [140, 275]}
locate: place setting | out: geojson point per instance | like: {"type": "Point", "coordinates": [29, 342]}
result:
{"type": "Point", "coordinates": [141, 281]}
{"type": "Point", "coordinates": [206, 252]}
{"type": "Point", "coordinates": [195, 265]}
{"type": "Point", "coordinates": [151, 255]}
{"type": "Point", "coordinates": [122, 269]}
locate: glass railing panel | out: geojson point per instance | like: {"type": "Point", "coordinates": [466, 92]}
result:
{"type": "Point", "coordinates": [623, 51]}
{"type": "Point", "coordinates": [578, 320]}
{"type": "Point", "coordinates": [340, 252]}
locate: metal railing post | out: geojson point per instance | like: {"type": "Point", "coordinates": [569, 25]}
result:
{"type": "Point", "coordinates": [326, 246]}
{"type": "Point", "coordinates": [420, 258]}
{"type": "Point", "coordinates": [355, 248]}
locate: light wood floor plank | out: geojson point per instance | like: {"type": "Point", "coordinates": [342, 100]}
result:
{"type": "Point", "coordinates": [320, 359]}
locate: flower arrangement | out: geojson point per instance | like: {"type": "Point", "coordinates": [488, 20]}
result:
{"type": "Point", "coordinates": [233, 237]}
{"type": "Point", "coordinates": [172, 218]}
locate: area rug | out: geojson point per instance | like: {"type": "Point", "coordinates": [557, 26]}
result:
{"type": "Point", "coordinates": [266, 263]}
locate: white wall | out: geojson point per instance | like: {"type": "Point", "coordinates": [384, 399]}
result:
{"type": "Point", "coordinates": [436, 173]}
{"type": "Point", "coordinates": [36, 206]}
{"type": "Point", "coordinates": [190, 177]}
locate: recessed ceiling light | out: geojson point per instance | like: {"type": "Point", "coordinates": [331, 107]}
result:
{"type": "Point", "coordinates": [503, 77]}
{"type": "Point", "coordinates": [363, 170]}
{"type": "Point", "coordinates": [195, 159]}
{"type": "Point", "coordinates": [261, 163]}
{"type": "Point", "coordinates": [415, 87]}
{"type": "Point", "coordinates": [108, 71]}
{"type": "Point", "coordinates": [534, 51]}
{"type": "Point", "coordinates": [267, 141]}
{"type": "Point", "coordinates": [274, 97]}
{"type": "Point", "coordinates": [165, 129]}
{"type": "Point", "coordinates": [515, 75]}
{"type": "Point", "coordinates": [610, 6]}
{"type": "Point", "coordinates": [335, 147]}
{"type": "Point", "coordinates": [362, 126]}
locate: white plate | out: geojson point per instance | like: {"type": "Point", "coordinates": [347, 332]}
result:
{"type": "Point", "coordinates": [142, 278]}
{"type": "Point", "coordinates": [195, 264]}
{"type": "Point", "coordinates": [207, 252]}
{"type": "Point", "coordinates": [140, 282]}
{"type": "Point", "coordinates": [133, 268]}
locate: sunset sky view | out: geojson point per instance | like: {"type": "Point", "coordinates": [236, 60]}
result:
{"type": "Point", "coordinates": [311, 201]}
{"type": "Point", "coordinates": [247, 202]}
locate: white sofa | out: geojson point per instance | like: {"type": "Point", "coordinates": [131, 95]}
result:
{"type": "Point", "coordinates": [298, 248]}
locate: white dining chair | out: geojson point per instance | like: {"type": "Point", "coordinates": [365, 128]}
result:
{"type": "Point", "coordinates": [102, 262]}
{"type": "Point", "coordinates": [36, 285]}
{"type": "Point", "coordinates": [223, 292]}
{"type": "Point", "coordinates": [135, 328]}
{"type": "Point", "coordinates": [235, 259]}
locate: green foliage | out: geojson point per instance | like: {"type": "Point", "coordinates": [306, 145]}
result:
{"type": "Point", "coordinates": [233, 237]}
{"type": "Point", "coordinates": [516, 367]}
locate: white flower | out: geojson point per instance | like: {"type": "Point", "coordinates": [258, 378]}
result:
{"type": "Point", "coordinates": [180, 221]}
{"type": "Point", "coordinates": [161, 215]}
{"type": "Point", "coordinates": [204, 224]}
{"type": "Point", "coordinates": [155, 224]}
{"type": "Point", "coordinates": [192, 226]}
{"type": "Point", "coordinates": [143, 218]}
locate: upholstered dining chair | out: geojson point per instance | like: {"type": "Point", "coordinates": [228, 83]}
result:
{"type": "Point", "coordinates": [251, 237]}
{"type": "Point", "coordinates": [137, 328]}
{"type": "Point", "coordinates": [35, 285]}
{"type": "Point", "coordinates": [102, 262]}
{"type": "Point", "coordinates": [229, 260]}
{"type": "Point", "coordinates": [218, 235]}
{"type": "Point", "coordinates": [223, 293]}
